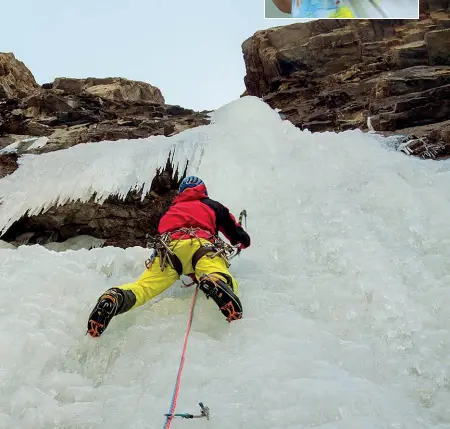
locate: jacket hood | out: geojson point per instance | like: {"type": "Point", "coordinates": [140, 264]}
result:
{"type": "Point", "coordinates": [192, 194]}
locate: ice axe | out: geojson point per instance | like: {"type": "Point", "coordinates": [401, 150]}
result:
{"type": "Point", "coordinates": [242, 215]}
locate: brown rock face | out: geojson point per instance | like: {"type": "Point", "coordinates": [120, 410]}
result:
{"type": "Point", "coordinates": [8, 164]}
{"type": "Point", "coordinates": [68, 119]}
{"type": "Point", "coordinates": [15, 79]}
{"type": "Point", "coordinates": [319, 48]}
{"type": "Point", "coordinates": [438, 46]}
{"type": "Point", "coordinates": [113, 88]}
{"type": "Point", "coordinates": [75, 111]}
{"type": "Point", "coordinates": [335, 74]}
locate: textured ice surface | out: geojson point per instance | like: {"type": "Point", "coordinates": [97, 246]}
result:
{"type": "Point", "coordinates": [345, 289]}
{"type": "Point", "coordinates": [5, 245]}
{"type": "Point", "coordinates": [76, 243]}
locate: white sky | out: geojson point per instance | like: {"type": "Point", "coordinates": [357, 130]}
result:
{"type": "Point", "coordinates": [191, 50]}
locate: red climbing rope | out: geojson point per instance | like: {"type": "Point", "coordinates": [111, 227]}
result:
{"type": "Point", "coordinates": [173, 405]}
{"type": "Point", "coordinates": [204, 410]}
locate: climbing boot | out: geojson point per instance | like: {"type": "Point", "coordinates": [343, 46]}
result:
{"type": "Point", "coordinates": [223, 295]}
{"type": "Point", "coordinates": [108, 305]}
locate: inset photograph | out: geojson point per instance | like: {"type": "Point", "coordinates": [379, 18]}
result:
{"type": "Point", "coordinates": [359, 9]}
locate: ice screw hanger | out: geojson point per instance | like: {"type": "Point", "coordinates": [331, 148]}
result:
{"type": "Point", "coordinates": [204, 412]}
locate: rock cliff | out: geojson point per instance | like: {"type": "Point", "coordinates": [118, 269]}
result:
{"type": "Point", "coordinates": [390, 75]}
{"type": "Point", "coordinates": [15, 79]}
{"type": "Point", "coordinates": [67, 112]}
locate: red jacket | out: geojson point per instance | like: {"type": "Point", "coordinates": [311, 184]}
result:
{"type": "Point", "coordinates": [193, 209]}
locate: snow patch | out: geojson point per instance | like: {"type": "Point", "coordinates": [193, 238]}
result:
{"type": "Point", "coordinates": [11, 148]}
{"type": "Point", "coordinates": [38, 143]}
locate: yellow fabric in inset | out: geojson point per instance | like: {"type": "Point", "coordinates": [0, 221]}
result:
{"type": "Point", "coordinates": [153, 281]}
{"type": "Point", "coordinates": [342, 12]}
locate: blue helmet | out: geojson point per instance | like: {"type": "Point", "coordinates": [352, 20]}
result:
{"type": "Point", "coordinates": [191, 182]}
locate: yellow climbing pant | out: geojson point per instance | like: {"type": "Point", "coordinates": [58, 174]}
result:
{"type": "Point", "coordinates": [153, 281]}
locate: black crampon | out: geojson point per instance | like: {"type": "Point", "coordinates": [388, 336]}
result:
{"type": "Point", "coordinates": [105, 309]}
{"type": "Point", "coordinates": [223, 295]}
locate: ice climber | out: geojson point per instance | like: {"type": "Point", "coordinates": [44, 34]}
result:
{"type": "Point", "coordinates": [188, 239]}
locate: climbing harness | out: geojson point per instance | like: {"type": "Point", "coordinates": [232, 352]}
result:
{"type": "Point", "coordinates": [159, 246]}
{"type": "Point", "coordinates": [205, 410]}
{"type": "Point", "coordinates": [218, 247]}
{"type": "Point", "coordinates": [162, 246]}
